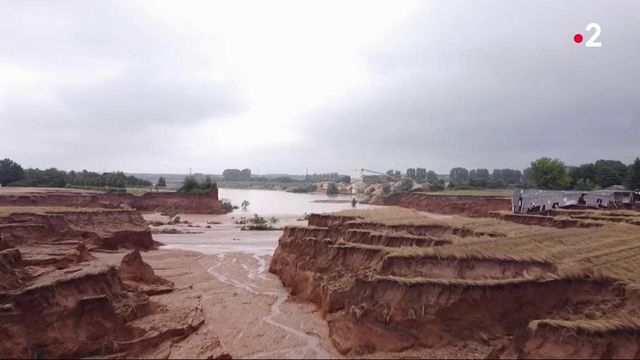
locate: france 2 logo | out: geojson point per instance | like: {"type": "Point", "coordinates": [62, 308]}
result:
{"type": "Point", "coordinates": [593, 40]}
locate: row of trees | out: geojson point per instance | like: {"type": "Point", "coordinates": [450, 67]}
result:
{"type": "Point", "coordinates": [11, 173]}
{"type": "Point", "coordinates": [547, 173]}
{"type": "Point", "coordinates": [544, 173]}
{"type": "Point", "coordinates": [245, 175]}
{"type": "Point", "coordinates": [459, 176]}
{"type": "Point", "coordinates": [498, 178]}
{"type": "Point", "coordinates": [236, 175]}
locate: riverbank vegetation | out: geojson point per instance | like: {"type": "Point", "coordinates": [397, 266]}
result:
{"type": "Point", "coordinates": [12, 174]}
{"type": "Point", "coordinates": [258, 222]}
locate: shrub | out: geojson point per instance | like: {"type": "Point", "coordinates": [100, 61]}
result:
{"type": "Point", "coordinates": [10, 171]}
{"type": "Point", "coordinates": [332, 189]}
{"type": "Point", "coordinates": [191, 186]}
{"type": "Point", "coordinates": [170, 213]}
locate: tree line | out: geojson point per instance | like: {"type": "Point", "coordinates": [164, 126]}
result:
{"type": "Point", "coordinates": [547, 173]}
{"type": "Point", "coordinates": [245, 175]}
{"type": "Point", "coordinates": [543, 173]}
{"type": "Point", "coordinates": [12, 174]}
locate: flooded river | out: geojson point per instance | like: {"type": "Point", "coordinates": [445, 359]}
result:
{"type": "Point", "coordinates": [225, 236]}
{"type": "Point", "coordinates": [239, 261]}
{"type": "Point", "coordinates": [280, 203]}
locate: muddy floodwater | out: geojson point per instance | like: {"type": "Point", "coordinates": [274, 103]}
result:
{"type": "Point", "coordinates": [254, 315]}
{"type": "Point", "coordinates": [280, 203]}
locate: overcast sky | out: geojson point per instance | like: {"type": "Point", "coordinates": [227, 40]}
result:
{"type": "Point", "coordinates": [280, 86]}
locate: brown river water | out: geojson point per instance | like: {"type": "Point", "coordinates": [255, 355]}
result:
{"type": "Point", "coordinates": [258, 319]}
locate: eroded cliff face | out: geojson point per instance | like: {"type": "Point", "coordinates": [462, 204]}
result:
{"type": "Point", "coordinates": [95, 228]}
{"type": "Point", "coordinates": [151, 201]}
{"type": "Point", "coordinates": [378, 299]}
{"type": "Point", "coordinates": [475, 206]}
{"type": "Point", "coordinates": [58, 300]}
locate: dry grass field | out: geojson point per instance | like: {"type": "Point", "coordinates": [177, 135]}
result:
{"type": "Point", "coordinates": [392, 273]}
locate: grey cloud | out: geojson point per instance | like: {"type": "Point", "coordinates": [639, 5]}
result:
{"type": "Point", "coordinates": [471, 83]}
{"type": "Point", "coordinates": [139, 97]}
{"type": "Point", "coordinates": [497, 85]}
{"type": "Point", "coordinates": [148, 87]}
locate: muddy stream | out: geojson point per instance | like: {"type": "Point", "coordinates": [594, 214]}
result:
{"type": "Point", "coordinates": [271, 325]}
{"type": "Point", "coordinates": [259, 282]}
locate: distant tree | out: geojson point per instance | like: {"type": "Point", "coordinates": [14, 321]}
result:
{"type": "Point", "coordinates": [332, 189]}
{"type": "Point", "coordinates": [527, 180]}
{"type": "Point", "coordinates": [390, 172]}
{"type": "Point", "coordinates": [345, 179]}
{"type": "Point", "coordinates": [206, 184]}
{"type": "Point", "coordinates": [610, 172]}
{"type": "Point", "coordinates": [550, 173]}
{"type": "Point", "coordinates": [51, 177]}
{"type": "Point", "coordinates": [437, 186]}
{"type": "Point", "coordinates": [421, 175]}
{"type": "Point", "coordinates": [192, 186]}
{"type": "Point", "coordinates": [479, 177]}
{"type": "Point", "coordinates": [353, 202]}
{"type": "Point", "coordinates": [245, 174]}
{"type": "Point", "coordinates": [10, 171]}
{"type": "Point", "coordinates": [459, 176]}
{"type": "Point", "coordinates": [407, 184]}
{"type": "Point", "coordinates": [585, 184]}
{"type": "Point", "coordinates": [231, 175]}
{"type": "Point", "coordinates": [283, 179]}
{"type": "Point", "coordinates": [189, 185]}
{"type": "Point", "coordinates": [236, 175]}
{"type": "Point", "coordinates": [505, 178]}
{"type": "Point", "coordinates": [431, 177]}
{"type": "Point", "coordinates": [162, 182]}
{"type": "Point", "coordinates": [244, 205]}
{"type": "Point", "coordinates": [584, 171]}
{"type": "Point", "coordinates": [411, 173]}
{"type": "Point", "coordinates": [632, 180]}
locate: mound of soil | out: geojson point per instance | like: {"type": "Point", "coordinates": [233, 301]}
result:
{"type": "Point", "coordinates": [474, 206]}
{"type": "Point", "coordinates": [58, 300]}
{"type": "Point", "coordinates": [134, 270]}
{"type": "Point", "coordinates": [96, 228]}
{"type": "Point", "coordinates": [151, 201]}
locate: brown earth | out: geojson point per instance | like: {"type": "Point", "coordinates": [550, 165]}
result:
{"type": "Point", "coordinates": [151, 201]}
{"type": "Point", "coordinates": [566, 218]}
{"type": "Point", "coordinates": [467, 287]}
{"type": "Point", "coordinates": [58, 298]}
{"type": "Point", "coordinates": [467, 205]}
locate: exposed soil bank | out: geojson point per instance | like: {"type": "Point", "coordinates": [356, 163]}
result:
{"type": "Point", "coordinates": [474, 206]}
{"type": "Point", "coordinates": [108, 229]}
{"type": "Point", "coordinates": [542, 220]}
{"type": "Point", "coordinates": [58, 299]}
{"type": "Point", "coordinates": [378, 298]}
{"type": "Point", "coordinates": [151, 201]}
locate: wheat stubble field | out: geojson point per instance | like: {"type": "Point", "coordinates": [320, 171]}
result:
{"type": "Point", "coordinates": [396, 281]}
